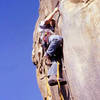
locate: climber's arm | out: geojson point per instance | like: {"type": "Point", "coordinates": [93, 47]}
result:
{"type": "Point", "coordinates": [50, 16]}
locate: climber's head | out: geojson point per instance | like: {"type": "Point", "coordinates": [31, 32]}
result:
{"type": "Point", "coordinates": [52, 23]}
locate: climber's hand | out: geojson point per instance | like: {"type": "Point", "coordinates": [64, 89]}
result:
{"type": "Point", "coordinates": [85, 1]}
{"type": "Point", "coordinates": [46, 56]}
{"type": "Point", "coordinates": [56, 9]}
{"type": "Point", "coordinates": [47, 60]}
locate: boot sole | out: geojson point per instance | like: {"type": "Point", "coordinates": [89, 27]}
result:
{"type": "Point", "coordinates": [53, 82]}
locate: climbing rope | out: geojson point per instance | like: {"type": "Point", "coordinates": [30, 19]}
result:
{"type": "Point", "coordinates": [59, 88]}
{"type": "Point", "coordinates": [48, 91]}
{"type": "Point", "coordinates": [48, 87]}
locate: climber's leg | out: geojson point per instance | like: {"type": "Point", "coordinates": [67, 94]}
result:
{"type": "Point", "coordinates": [54, 44]}
{"type": "Point", "coordinates": [52, 73]}
{"type": "Point", "coordinates": [53, 69]}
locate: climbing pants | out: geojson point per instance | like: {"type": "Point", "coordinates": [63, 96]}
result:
{"type": "Point", "coordinates": [53, 69]}
{"type": "Point", "coordinates": [54, 42]}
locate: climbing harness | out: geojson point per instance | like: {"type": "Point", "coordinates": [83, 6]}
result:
{"type": "Point", "coordinates": [46, 36]}
{"type": "Point", "coordinates": [59, 88]}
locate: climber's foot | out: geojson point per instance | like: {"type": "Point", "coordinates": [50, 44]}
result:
{"type": "Point", "coordinates": [53, 81]}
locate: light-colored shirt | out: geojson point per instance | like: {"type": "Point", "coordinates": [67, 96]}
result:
{"type": "Point", "coordinates": [43, 28]}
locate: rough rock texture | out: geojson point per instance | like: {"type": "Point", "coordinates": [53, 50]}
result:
{"type": "Point", "coordinates": [79, 24]}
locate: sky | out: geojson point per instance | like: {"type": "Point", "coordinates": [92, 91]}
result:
{"type": "Point", "coordinates": [17, 73]}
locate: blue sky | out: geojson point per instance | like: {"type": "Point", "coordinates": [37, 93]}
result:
{"type": "Point", "coordinates": [17, 73]}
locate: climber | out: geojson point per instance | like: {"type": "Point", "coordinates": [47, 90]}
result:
{"type": "Point", "coordinates": [50, 43]}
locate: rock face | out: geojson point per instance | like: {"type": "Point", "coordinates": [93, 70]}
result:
{"type": "Point", "coordinates": [79, 24]}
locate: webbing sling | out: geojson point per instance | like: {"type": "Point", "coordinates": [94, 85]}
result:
{"type": "Point", "coordinates": [58, 74]}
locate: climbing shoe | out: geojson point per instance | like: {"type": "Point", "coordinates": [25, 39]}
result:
{"type": "Point", "coordinates": [53, 81]}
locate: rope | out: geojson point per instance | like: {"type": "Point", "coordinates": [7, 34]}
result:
{"type": "Point", "coordinates": [61, 96]}
{"type": "Point", "coordinates": [48, 88]}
